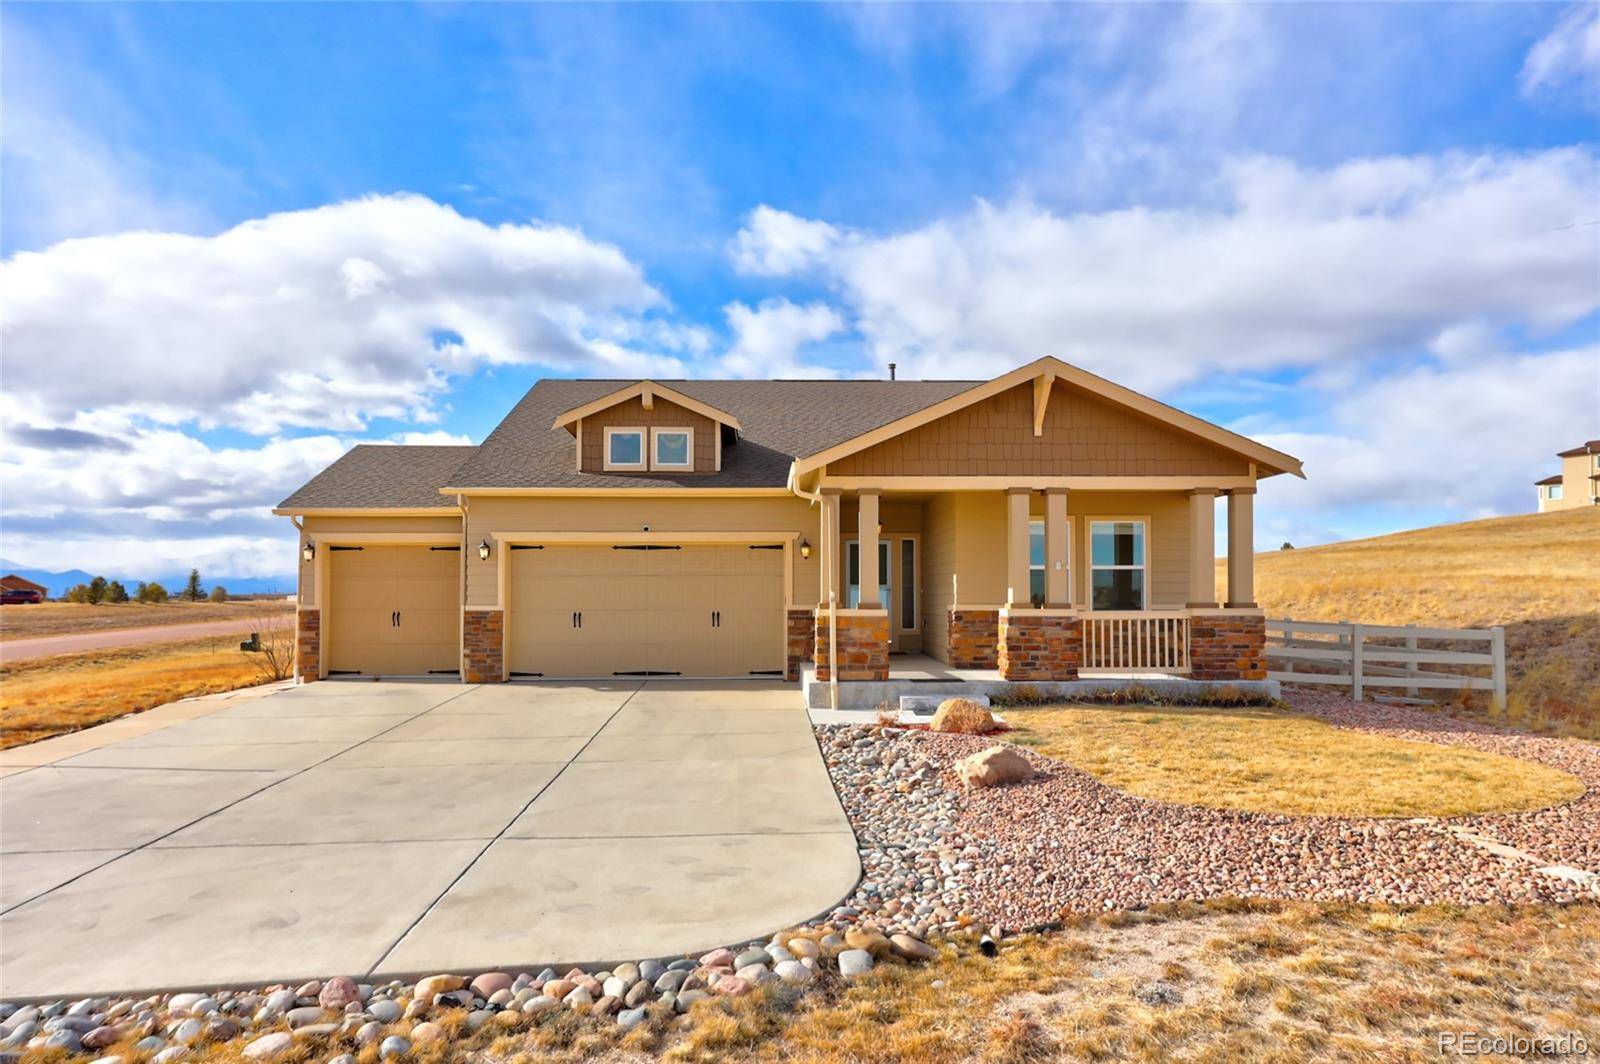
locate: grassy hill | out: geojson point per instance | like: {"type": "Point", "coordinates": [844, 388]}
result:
{"type": "Point", "coordinates": [1536, 574]}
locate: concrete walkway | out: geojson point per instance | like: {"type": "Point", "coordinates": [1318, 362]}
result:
{"type": "Point", "coordinates": [372, 829]}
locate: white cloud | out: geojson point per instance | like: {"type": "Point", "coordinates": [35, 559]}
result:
{"type": "Point", "coordinates": [767, 339]}
{"type": "Point", "coordinates": [1303, 268]}
{"type": "Point", "coordinates": [1467, 438]}
{"type": "Point", "coordinates": [314, 318]}
{"type": "Point", "coordinates": [1567, 59]}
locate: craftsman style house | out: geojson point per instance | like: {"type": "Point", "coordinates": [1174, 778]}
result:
{"type": "Point", "coordinates": [1036, 524]}
{"type": "Point", "coordinates": [1578, 483]}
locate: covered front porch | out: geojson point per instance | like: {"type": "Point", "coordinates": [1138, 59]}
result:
{"type": "Point", "coordinates": [1041, 584]}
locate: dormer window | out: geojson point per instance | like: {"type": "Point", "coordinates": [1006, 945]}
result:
{"type": "Point", "coordinates": [672, 449]}
{"type": "Point", "coordinates": [625, 449]}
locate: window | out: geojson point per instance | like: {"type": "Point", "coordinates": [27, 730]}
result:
{"type": "Point", "coordinates": [1039, 561]}
{"type": "Point", "coordinates": [672, 448]}
{"type": "Point", "coordinates": [624, 449]}
{"type": "Point", "coordinates": [908, 585]}
{"type": "Point", "coordinates": [852, 560]}
{"type": "Point", "coordinates": [1555, 490]}
{"type": "Point", "coordinates": [1116, 565]}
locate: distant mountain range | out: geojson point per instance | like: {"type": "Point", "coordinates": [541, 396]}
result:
{"type": "Point", "coordinates": [58, 583]}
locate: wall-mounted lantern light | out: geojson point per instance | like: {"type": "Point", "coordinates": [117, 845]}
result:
{"type": "Point", "coordinates": [309, 551]}
{"type": "Point", "coordinates": [483, 550]}
{"type": "Point", "coordinates": [805, 547]}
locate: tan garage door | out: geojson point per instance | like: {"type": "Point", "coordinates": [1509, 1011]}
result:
{"type": "Point", "coordinates": [393, 611]}
{"type": "Point", "coordinates": [686, 610]}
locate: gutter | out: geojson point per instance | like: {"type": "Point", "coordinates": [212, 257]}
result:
{"type": "Point", "coordinates": [815, 498]}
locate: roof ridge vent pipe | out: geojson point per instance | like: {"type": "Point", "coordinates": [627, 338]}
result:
{"type": "Point", "coordinates": [891, 371]}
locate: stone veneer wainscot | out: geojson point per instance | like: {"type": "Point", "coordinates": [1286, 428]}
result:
{"type": "Point", "coordinates": [1227, 646]}
{"type": "Point", "coordinates": [863, 645]}
{"type": "Point", "coordinates": [1040, 645]}
{"type": "Point", "coordinates": [483, 643]}
{"type": "Point", "coordinates": [974, 638]}
{"type": "Point", "coordinates": [308, 645]}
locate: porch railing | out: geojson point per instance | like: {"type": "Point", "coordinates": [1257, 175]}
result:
{"type": "Point", "coordinates": [1135, 641]}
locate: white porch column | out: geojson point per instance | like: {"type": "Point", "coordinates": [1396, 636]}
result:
{"type": "Point", "coordinates": [867, 516]}
{"type": "Point", "coordinates": [1203, 549]}
{"type": "Point", "coordinates": [832, 558]}
{"type": "Point", "coordinates": [1241, 548]}
{"type": "Point", "coordinates": [1017, 547]}
{"type": "Point", "coordinates": [1058, 589]}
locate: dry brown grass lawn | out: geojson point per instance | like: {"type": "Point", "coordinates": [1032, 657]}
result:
{"type": "Point", "coordinates": [43, 697]}
{"type": "Point", "coordinates": [1536, 574]}
{"type": "Point", "coordinates": [68, 618]}
{"type": "Point", "coordinates": [1257, 982]}
{"type": "Point", "coordinates": [1269, 760]}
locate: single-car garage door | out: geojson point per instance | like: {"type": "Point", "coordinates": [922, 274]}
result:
{"type": "Point", "coordinates": [393, 611]}
{"type": "Point", "coordinates": [684, 610]}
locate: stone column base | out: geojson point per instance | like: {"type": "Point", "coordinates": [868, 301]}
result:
{"type": "Point", "coordinates": [307, 645]}
{"type": "Point", "coordinates": [974, 638]}
{"type": "Point", "coordinates": [1040, 645]}
{"type": "Point", "coordinates": [483, 639]}
{"type": "Point", "coordinates": [1227, 646]}
{"type": "Point", "coordinates": [802, 643]}
{"type": "Point", "coordinates": [863, 645]}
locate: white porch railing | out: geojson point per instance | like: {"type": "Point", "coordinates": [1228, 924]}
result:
{"type": "Point", "coordinates": [1359, 656]}
{"type": "Point", "coordinates": [1135, 641]}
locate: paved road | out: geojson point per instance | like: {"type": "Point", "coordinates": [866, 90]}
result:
{"type": "Point", "coordinates": [387, 829]}
{"type": "Point", "coordinates": [43, 646]}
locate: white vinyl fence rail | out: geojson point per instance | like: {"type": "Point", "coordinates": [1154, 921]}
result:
{"type": "Point", "coordinates": [1133, 641]}
{"type": "Point", "coordinates": [1363, 656]}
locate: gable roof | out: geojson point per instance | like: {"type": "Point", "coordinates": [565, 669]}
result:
{"type": "Point", "coordinates": [1046, 371]}
{"type": "Point", "coordinates": [1591, 447]}
{"type": "Point", "coordinates": [779, 421]}
{"type": "Point", "coordinates": [648, 391]}
{"type": "Point", "coordinates": [381, 477]}
{"type": "Point", "coordinates": [13, 582]}
{"type": "Point", "coordinates": [1554, 478]}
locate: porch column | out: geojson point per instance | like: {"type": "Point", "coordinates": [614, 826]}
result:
{"type": "Point", "coordinates": [867, 536]}
{"type": "Point", "coordinates": [1017, 590]}
{"type": "Point", "coordinates": [832, 559]}
{"type": "Point", "coordinates": [1203, 549]}
{"type": "Point", "coordinates": [1241, 548]}
{"type": "Point", "coordinates": [1058, 589]}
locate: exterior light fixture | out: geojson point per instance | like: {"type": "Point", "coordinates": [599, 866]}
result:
{"type": "Point", "coordinates": [309, 551]}
{"type": "Point", "coordinates": [805, 547]}
{"type": "Point", "coordinates": [483, 550]}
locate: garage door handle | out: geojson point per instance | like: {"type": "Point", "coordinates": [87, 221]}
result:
{"type": "Point", "coordinates": [394, 619]}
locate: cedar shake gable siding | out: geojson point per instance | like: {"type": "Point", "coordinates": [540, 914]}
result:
{"type": "Point", "coordinates": [630, 413]}
{"type": "Point", "coordinates": [1084, 435]}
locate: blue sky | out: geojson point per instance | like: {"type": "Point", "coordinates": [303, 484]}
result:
{"type": "Point", "coordinates": [240, 238]}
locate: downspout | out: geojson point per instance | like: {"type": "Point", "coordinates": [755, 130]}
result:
{"type": "Point", "coordinates": [815, 498]}
{"type": "Point", "coordinates": [300, 526]}
{"type": "Point", "coordinates": [461, 621]}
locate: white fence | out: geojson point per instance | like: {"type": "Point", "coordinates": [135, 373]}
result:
{"type": "Point", "coordinates": [1135, 641]}
{"type": "Point", "coordinates": [1362, 656]}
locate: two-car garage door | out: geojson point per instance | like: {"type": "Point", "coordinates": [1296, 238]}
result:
{"type": "Point", "coordinates": [634, 609]}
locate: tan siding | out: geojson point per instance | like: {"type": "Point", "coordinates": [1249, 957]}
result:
{"type": "Point", "coordinates": [488, 515]}
{"type": "Point", "coordinates": [1083, 436]}
{"type": "Point", "coordinates": [631, 414]}
{"type": "Point", "coordinates": [317, 526]}
{"type": "Point", "coordinates": [938, 565]}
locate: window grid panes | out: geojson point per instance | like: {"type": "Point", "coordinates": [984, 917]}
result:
{"type": "Point", "coordinates": [1116, 565]}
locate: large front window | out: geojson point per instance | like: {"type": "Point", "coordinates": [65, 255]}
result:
{"type": "Point", "coordinates": [1116, 565]}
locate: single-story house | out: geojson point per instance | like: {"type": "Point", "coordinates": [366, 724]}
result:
{"type": "Point", "coordinates": [13, 582]}
{"type": "Point", "coordinates": [1035, 524]}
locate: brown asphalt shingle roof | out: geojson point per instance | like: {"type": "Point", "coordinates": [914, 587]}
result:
{"type": "Point", "coordinates": [1589, 447]}
{"type": "Point", "coordinates": [780, 420]}
{"type": "Point", "coordinates": [378, 475]}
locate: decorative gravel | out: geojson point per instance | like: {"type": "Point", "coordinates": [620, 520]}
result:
{"type": "Point", "coordinates": [1022, 855]}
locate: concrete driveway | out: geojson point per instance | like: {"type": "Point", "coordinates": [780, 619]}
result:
{"type": "Point", "coordinates": [374, 829]}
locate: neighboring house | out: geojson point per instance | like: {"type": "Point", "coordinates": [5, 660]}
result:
{"type": "Point", "coordinates": [1578, 483]}
{"type": "Point", "coordinates": [13, 582]}
{"type": "Point", "coordinates": [1033, 524]}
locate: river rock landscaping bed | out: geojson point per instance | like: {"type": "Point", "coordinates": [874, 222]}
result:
{"type": "Point", "coordinates": [341, 1017]}
{"type": "Point", "coordinates": [937, 856]}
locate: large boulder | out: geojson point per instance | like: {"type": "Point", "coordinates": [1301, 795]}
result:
{"type": "Point", "coordinates": [962, 716]}
{"type": "Point", "coordinates": [994, 766]}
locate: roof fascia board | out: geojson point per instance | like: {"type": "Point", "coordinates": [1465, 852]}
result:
{"type": "Point", "coordinates": [1274, 461]}
{"type": "Point", "coordinates": [622, 492]}
{"type": "Point", "coordinates": [647, 391]}
{"type": "Point", "coordinates": [366, 511]}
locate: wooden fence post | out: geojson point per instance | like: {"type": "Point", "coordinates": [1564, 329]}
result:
{"type": "Point", "coordinates": [1411, 666]}
{"type": "Point", "coordinates": [1357, 687]}
{"type": "Point", "coordinates": [1288, 639]}
{"type": "Point", "coordinates": [1497, 642]}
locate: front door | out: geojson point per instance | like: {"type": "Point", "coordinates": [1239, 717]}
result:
{"type": "Point", "coordinates": [898, 566]}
